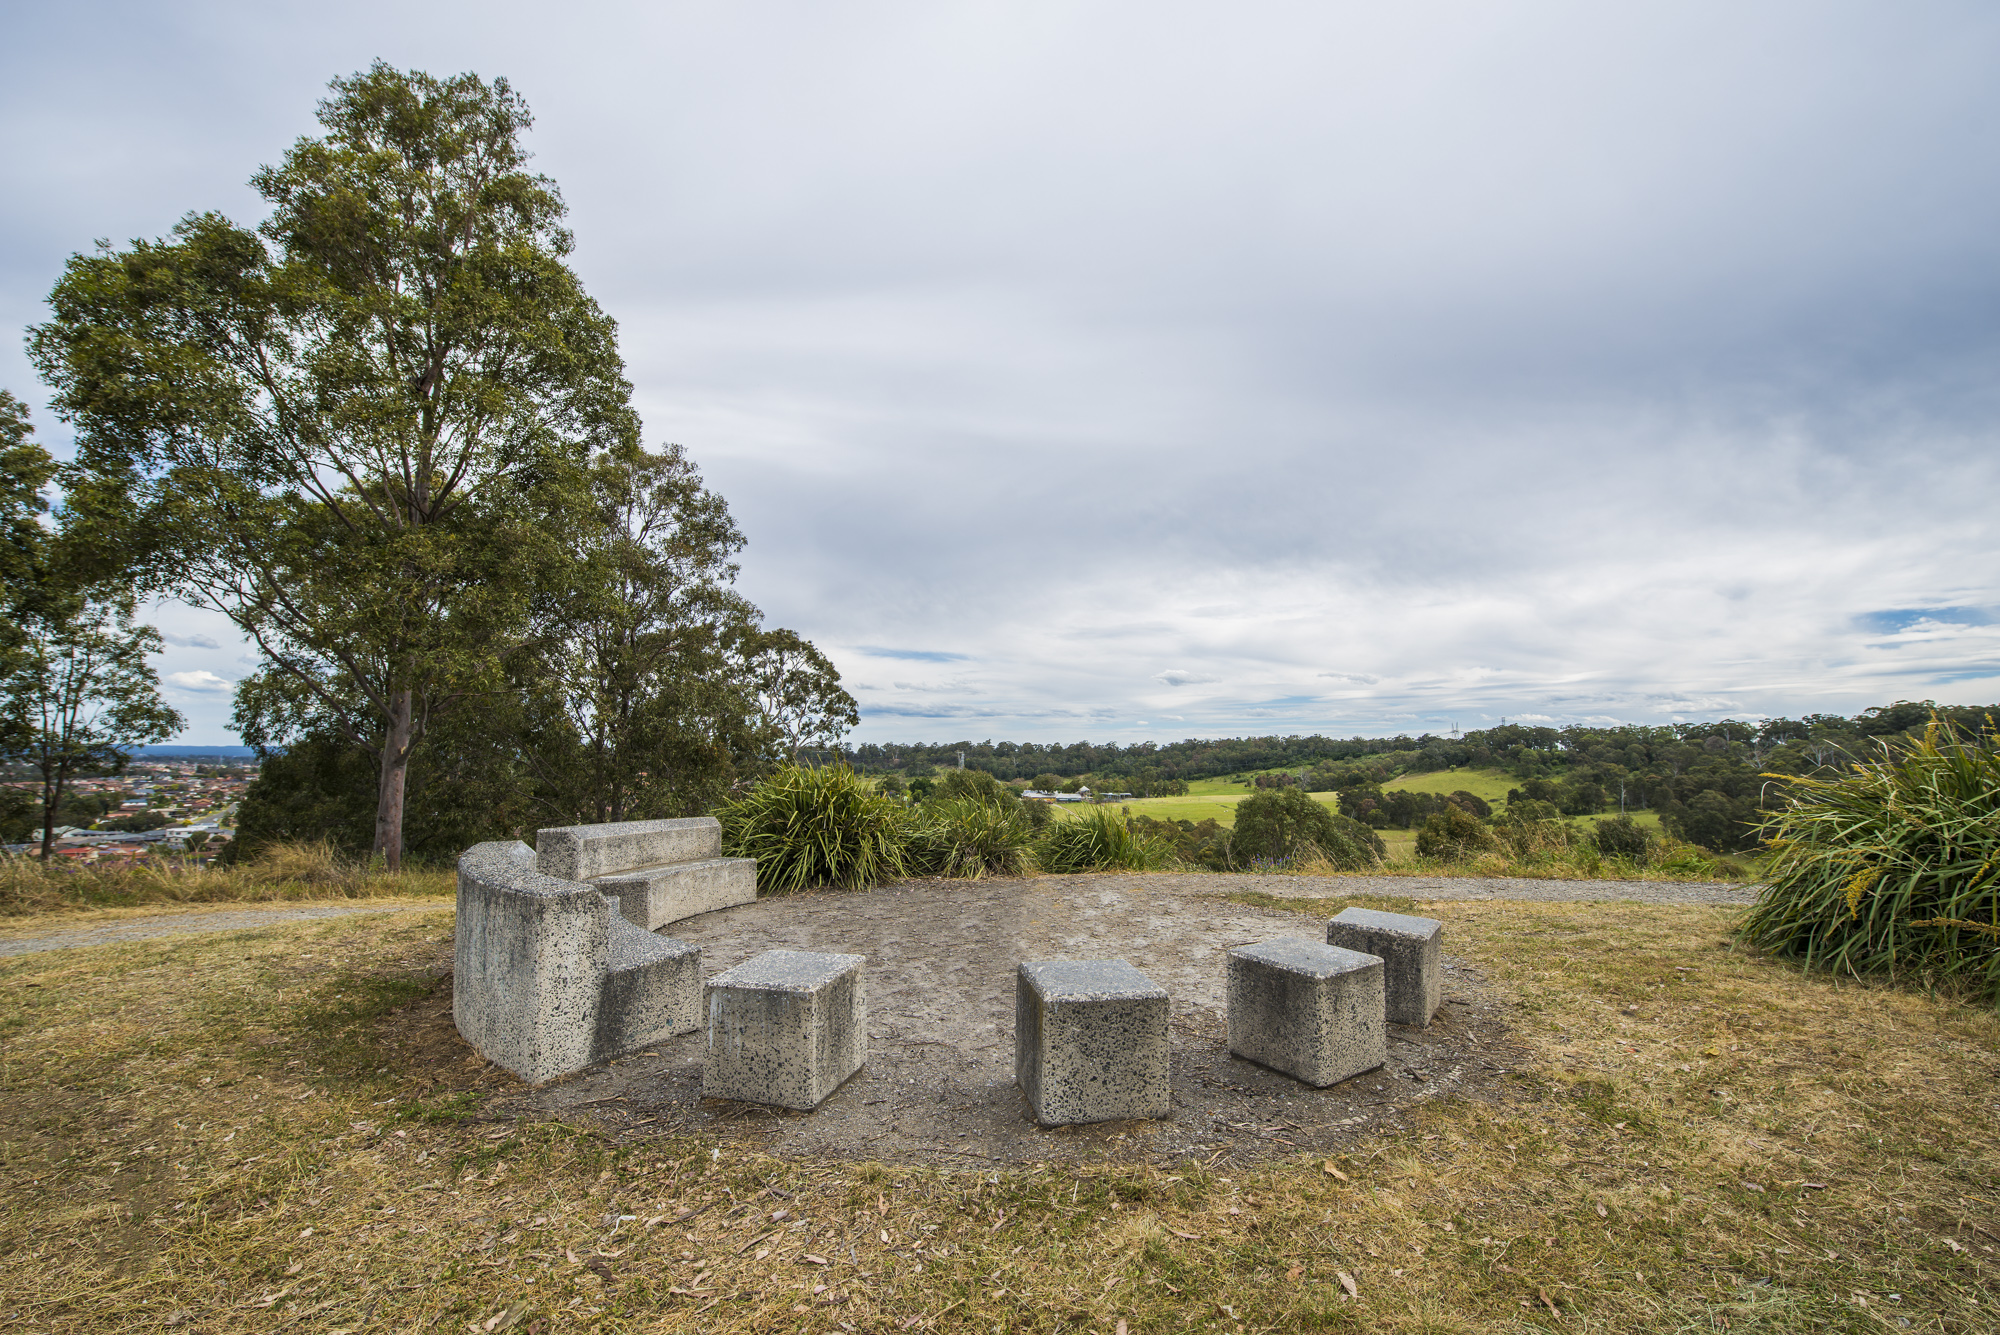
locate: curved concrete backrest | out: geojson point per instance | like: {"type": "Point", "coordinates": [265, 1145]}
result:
{"type": "Point", "coordinates": [529, 962]}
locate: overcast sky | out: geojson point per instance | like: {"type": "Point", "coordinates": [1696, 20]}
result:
{"type": "Point", "coordinates": [1117, 371]}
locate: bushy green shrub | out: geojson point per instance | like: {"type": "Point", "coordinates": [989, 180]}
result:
{"type": "Point", "coordinates": [1892, 868]}
{"type": "Point", "coordinates": [1284, 824]}
{"type": "Point", "coordinates": [962, 836]}
{"type": "Point", "coordinates": [1452, 834]}
{"type": "Point", "coordinates": [815, 827]}
{"type": "Point", "coordinates": [1100, 839]}
{"type": "Point", "coordinates": [1622, 837]}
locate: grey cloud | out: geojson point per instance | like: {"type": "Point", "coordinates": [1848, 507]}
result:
{"type": "Point", "coordinates": [189, 641]}
{"type": "Point", "coordinates": [1583, 362]}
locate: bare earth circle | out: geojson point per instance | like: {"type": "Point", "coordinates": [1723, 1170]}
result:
{"type": "Point", "coordinates": [939, 1087]}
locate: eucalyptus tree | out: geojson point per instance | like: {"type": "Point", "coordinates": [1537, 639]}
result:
{"type": "Point", "coordinates": [80, 694]}
{"type": "Point", "coordinates": [360, 428]}
{"type": "Point", "coordinates": [639, 711]}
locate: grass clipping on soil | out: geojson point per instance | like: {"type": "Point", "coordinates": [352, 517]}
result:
{"type": "Point", "coordinates": [279, 1129]}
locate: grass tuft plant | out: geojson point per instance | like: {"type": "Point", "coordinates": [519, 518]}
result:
{"type": "Point", "coordinates": [820, 826]}
{"type": "Point", "coordinates": [967, 837]}
{"type": "Point", "coordinates": [1100, 839]}
{"type": "Point", "coordinates": [1893, 869]}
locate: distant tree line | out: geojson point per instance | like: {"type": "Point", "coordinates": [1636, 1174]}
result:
{"type": "Point", "coordinates": [1710, 783]}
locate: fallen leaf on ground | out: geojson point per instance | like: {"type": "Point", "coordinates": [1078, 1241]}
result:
{"type": "Point", "coordinates": [1191, 1237]}
{"type": "Point", "coordinates": [1333, 1172]}
{"type": "Point", "coordinates": [1347, 1282]}
{"type": "Point", "coordinates": [1294, 1273]}
{"type": "Point", "coordinates": [814, 1260]}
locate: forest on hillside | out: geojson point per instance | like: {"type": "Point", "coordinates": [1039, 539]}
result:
{"type": "Point", "coordinates": [1711, 782]}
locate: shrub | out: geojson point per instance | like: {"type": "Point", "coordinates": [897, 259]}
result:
{"type": "Point", "coordinates": [815, 827]}
{"type": "Point", "coordinates": [1100, 839]}
{"type": "Point", "coordinates": [962, 836]}
{"type": "Point", "coordinates": [1283, 824]}
{"type": "Point", "coordinates": [1452, 834]}
{"type": "Point", "coordinates": [1622, 837]}
{"type": "Point", "coordinates": [1892, 868]}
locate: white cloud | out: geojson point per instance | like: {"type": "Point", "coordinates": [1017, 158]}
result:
{"type": "Point", "coordinates": [189, 641]}
{"type": "Point", "coordinates": [198, 680]}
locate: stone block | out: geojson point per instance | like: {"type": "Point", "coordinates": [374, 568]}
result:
{"type": "Point", "coordinates": [548, 978]}
{"type": "Point", "coordinates": [786, 1027]}
{"type": "Point", "coordinates": [656, 896]}
{"type": "Point", "coordinates": [1090, 1041]}
{"type": "Point", "coordinates": [586, 852]}
{"type": "Point", "coordinates": [1313, 1011]}
{"type": "Point", "coordinates": [1413, 967]}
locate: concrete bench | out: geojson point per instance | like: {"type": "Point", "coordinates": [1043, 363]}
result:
{"type": "Point", "coordinates": [1413, 967]}
{"type": "Point", "coordinates": [1313, 1011]}
{"type": "Point", "coordinates": [786, 1027]}
{"type": "Point", "coordinates": [548, 977]}
{"type": "Point", "coordinates": [661, 870]}
{"type": "Point", "coordinates": [1090, 1041]}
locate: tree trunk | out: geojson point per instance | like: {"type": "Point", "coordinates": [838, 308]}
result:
{"type": "Point", "coordinates": [395, 769]}
{"type": "Point", "coordinates": [51, 796]}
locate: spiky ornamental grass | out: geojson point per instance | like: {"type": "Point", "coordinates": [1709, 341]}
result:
{"type": "Point", "coordinates": [1099, 839]}
{"type": "Point", "coordinates": [968, 837]}
{"type": "Point", "coordinates": [1895, 868]}
{"type": "Point", "coordinates": [815, 827]}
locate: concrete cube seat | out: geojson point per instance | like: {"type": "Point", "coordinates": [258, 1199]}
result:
{"type": "Point", "coordinates": [1090, 1041]}
{"type": "Point", "coordinates": [548, 977]}
{"type": "Point", "coordinates": [661, 870]}
{"type": "Point", "coordinates": [786, 1027]}
{"type": "Point", "coordinates": [1313, 1011]}
{"type": "Point", "coordinates": [1413, 967]}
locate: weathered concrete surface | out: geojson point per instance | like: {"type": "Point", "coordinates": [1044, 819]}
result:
{"type": "Point", "coordinates": [652, 897]}
{"type": "Point", "coordinates": [1411, 958]}
{"type": "Point", "coordinates": [586, 852]}
{"type": "Point", "coordinates": [1313, 1011]}
{"type": "Point", "coordinates": [548, 979]}
{"type": "Point", "coordinates": [1090, 1041]}
{"type": "Point", "coordinates": [785, 1028]}
{"type": "Point", "coordinates": [939, 1084]}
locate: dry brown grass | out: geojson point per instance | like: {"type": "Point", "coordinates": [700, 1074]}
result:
{"type": "Point", "coordinates": [281, 873]}
{"type": "Point", "coordinates": [277, 1130]}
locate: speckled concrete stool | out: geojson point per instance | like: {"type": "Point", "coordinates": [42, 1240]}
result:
{"type": "Point", "coordinates": [1090, 1041]}
{"type": "Point", "coordinates": [786, 1027]}
{"type": "Point", "coordinates": [1413, 972]}
{"type": "Point", "coordinates": [1313, 1011]}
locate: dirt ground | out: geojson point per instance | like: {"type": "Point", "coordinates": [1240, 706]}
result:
{"type": "Point", "coordinates": [938, 1086]}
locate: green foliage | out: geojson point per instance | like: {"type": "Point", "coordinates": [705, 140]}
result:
{"type": "Point", "coordinates": [1891, 868]}
{"type": "Point", "coordinates": [1202, 843]}
{"type": "Point", "coordinates": [1282, 824]}
{"type": "Point", "coordinates": [1451, 834]}
{"type": "Point", "coordinates": [1714, 820]}
{"type": "Point", "coordinates": [359, 429]}
{"type": "Point", "coordinates": [963, 836]}
{"type": "Point", "coordinates": [819, 826]}
{"type": "Point", "coordinates": [1622, 837]}
{"type": "Point", "coordinates": [1101, 839]}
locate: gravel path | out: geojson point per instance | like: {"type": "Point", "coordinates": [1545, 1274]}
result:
{"type": "Point", "coordinates": [181, 924]}
{"type": "Point", "coordinates": [245, 918]}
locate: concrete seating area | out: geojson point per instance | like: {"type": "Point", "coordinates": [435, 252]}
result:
{"type": "Point", "coordinates": [558, 968]}
{"type": "Point", "coordinates": [661, 870]}
{"type": "Point", "coordinates": [1090, 1041]}
{"type": "Point", "coordinates": [786, 1027]}
{"type": "Point", "coordinates": [1413, 971]}
{"type": "Point", "coordinates": [549, 978]}
{"type": "Point", "coordinates": [1312, 1011]}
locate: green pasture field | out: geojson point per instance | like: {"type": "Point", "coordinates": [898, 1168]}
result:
{"type": "Point", "coordinates": [1490, 785]}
